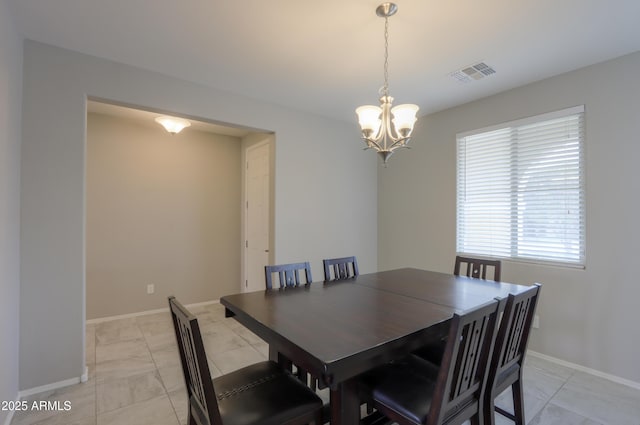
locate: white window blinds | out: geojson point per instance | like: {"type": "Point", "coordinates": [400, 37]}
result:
{"type": "Point", "coordinates": [521, 191]}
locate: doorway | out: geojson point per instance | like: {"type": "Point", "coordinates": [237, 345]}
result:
{"type": "Point", "coordinates": [257, 222]}
{"type": "Point", "coordinates": [164, 212]}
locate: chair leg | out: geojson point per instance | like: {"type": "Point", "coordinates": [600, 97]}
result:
{"type": "Point", "coordinates": [475, 419]}
{"type": "Point", "coordinates": [376, 418]}
{"type": "Point", "coordinates": [488, 410]}
{"type": "Point", "coordinates": [518, 401]}
{"type": "Point", "coordinates": [191, 420]}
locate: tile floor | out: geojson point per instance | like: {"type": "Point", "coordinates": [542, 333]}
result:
{"type": "Point", "coordinates": [135, 379]}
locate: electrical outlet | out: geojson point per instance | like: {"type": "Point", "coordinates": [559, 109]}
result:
{"type": "Point", "coordinates": [151, 288]}
{"type": "Point", "coordinates": [536, 322]}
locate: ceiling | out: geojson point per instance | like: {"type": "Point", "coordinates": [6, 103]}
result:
{"type": "Point", "coordinates": [326, 57]}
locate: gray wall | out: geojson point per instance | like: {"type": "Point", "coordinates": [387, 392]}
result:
{"type": "Point", "coordinates": [56, 84]}
{"type": "Point", "coordinates": [10, 111]}
{"type": "Point", "coordinates": [162, 209]}
{"type": "Point", "coordinates": [586, 316]}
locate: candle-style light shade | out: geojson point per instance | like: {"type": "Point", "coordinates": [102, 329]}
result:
{"type": "Point", "coordinates": [404, 117]}
{"type": "Point", "coordinates": [173, 125]}
{"type": "Point", "coordinates": [369, 119]}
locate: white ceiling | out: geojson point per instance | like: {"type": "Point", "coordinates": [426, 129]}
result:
{"type": "Point", "coordinates": [326, 56]}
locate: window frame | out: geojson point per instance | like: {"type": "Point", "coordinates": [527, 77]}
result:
{"type": "Point", "coordinates": [515, 215]}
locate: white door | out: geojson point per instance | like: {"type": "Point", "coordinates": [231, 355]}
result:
{"type": "Point", "coordinates": [257, 216]}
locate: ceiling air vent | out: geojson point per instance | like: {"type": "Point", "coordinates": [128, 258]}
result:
{"type": "Point", "coordinates": [473, 72]}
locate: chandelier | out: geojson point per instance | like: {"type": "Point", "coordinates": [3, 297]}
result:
{"type": "Point", "coordinates": [386, 128]}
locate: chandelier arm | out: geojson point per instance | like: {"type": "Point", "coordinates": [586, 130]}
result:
{"type": "Point", "coordinates": [371, 142]}
{"type": "Point", "coordinates": [387, 126]}
{"type": "Point", "coordinates": [384, 127]}
{"type": "Point", "coordinates": [402, 143]}
{"type": "Point", "coordinates": [398, 144]}
{"type": "Point", "coordinates": [395, 137]}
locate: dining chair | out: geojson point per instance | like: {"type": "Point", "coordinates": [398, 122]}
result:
{"type": "Point", "coordinates": [507, 361]}
{"type": "Point", "coordinates": [416, 391]}
{"type": "Point", "coordinates": [259, 394]}
{"type": "Point", "coordinates": [477, 267]}
{"type": "Point", "coordinates": [472, 267]}
{"type": "Point", "coordinates": [342, 268]}
{"type": "Point", "coordinates": [288, 274]}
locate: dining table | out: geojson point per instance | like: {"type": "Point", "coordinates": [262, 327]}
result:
{"type": "Point", "coordinates": [340, 329]}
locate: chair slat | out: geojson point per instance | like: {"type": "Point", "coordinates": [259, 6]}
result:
{"type": "Point", "coordinates": [476, 267]}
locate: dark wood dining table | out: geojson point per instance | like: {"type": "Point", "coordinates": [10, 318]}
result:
{"type": "Point", "coordinates": [338, 330]}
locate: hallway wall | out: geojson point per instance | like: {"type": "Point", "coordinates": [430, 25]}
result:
{"type": "Point", "coordinates": [162, 209]}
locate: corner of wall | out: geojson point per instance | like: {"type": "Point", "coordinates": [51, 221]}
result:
{"type": "Point", "coordinates": [11, 57]}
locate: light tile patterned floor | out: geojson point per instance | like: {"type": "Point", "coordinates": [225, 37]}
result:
{"type": "Point", "coordinates": [135, 379]}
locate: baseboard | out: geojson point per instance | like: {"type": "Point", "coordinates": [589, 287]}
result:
{"type": "Point", "coordinates": [613, 378]}
{"type": "Point", "coordinates": [145, 313]}
{"type": "Point", "coordinates": [49, 387]}
{"type": "Point", "coordinates": [85, 375]}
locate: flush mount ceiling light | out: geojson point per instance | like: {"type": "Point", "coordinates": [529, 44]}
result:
{"type": "Point", "coordinates": [386, 128]}
{"type": "Point", "coordinates": [173, 125]}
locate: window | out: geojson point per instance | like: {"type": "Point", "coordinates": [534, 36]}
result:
{"type": "Point", "coordinates": [521, 189]}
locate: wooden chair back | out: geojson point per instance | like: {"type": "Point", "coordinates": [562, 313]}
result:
{"type": "Point", "coordinates": [477, 267]}
{"type": "Point", "coordinates": [288, 274]}
{"type": "Point", "coordinates": [507, 361]}
{"type": "Point", "coordinates": [513, 336]}
{"type": "Point", "coordinates": [464, 368]}
{"type": "Point", "coordinates": [342, 268]}
{"type": "Point", "coordinates": [203, 403]}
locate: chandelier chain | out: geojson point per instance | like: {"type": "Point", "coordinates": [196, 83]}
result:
{"type": "Point", "coordinates": [385, 89]}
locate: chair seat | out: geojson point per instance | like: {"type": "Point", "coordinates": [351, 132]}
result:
{"type": "Point", "coordinates": [415, 391]}
{"type": "Point", "coordinates": [432, 353]}
{"type": "Point", "coordinates": [396, 385]}
{"type": "Point", "coordinates": [263, 393]}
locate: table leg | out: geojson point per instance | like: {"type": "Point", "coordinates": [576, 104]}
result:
{"type": "Point", "coordinates": [273, 353]}
{"type": "Point", "coordinates": [276, 356]}
{"type": "Point", "coordinates": [345, 405]}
